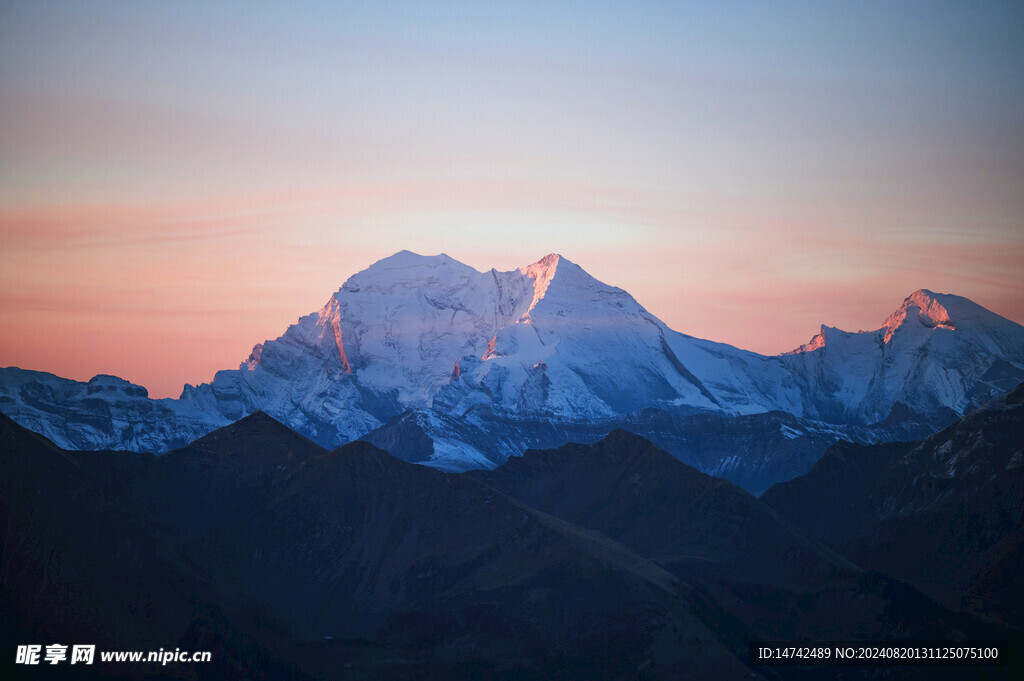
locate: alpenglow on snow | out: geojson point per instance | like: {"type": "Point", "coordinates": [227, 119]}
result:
{"type": "Point", "coordinates": [471, 357]}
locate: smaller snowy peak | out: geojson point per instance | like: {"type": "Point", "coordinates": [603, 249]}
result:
{"type": "Point", "coordinates": [828, 336]}
{"type": "Point", "coordinates": [818, 341]}
{"type": "Point", "coordinates": [933, 311]}
{"type": "Point", "coordinates": [922, 311]}
{"type": "Point", "coordinates": [928, 309]}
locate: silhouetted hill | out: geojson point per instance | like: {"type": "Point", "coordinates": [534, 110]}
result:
{"type": "Point", "coordinates": [261, 532]}
{"type": "Point", "coordinates": [944, 513]}
{"type": "Point", "coordinates": [635, 492]}
{"type": "Point", "coordinates": [762, 577]}
{"type": "Point", "coordinates": [79, 563]}
{"type": "Point", "coordinates": [288, 560]}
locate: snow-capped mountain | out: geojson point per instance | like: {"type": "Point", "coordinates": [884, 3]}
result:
{"type": "Point", "coordinates": [468, 368]}
{"type": "Point", "coordinates": [104, 413]}
{"type": "Point", "coordinates": [547, 341]}
{"type": "Point", "coordinates": [937, 353]}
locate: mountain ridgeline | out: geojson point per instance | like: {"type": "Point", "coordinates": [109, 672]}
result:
{"type": "Point", "coordinates": [457, 369]}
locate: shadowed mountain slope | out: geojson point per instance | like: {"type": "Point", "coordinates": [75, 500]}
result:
{"type": "Point", "coordinates": [286, 560]}
{"type": "Point", "coordinates": [433, 573]}
{"type": "Point", "coordinates": [770, 578]}
{"type": "Point", "coordinates": [635, 492]}
{"type": "Point", "coordinates": [944, 513]}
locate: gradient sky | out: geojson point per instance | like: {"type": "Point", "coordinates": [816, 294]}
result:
{"type": "Point", "coordinates": [179, 181]}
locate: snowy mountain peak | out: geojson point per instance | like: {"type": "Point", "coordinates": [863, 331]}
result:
{"type": "Point", "coordinates": [936, 352]}
{"type": "Point", "coordinates": [818, 341]}
{"type": "Point", "coordinates": [483, 353]}
{"type": "Point", "coordinates": [409, 269]}
{"type": "Point", "coordinates": [922, 312]}
{"type": "Point", "coordinates": [545, 267]}
{"type": "Point", "coordinates": [558, 281]}
{"type": "Point", "coordinates": [542, 272]}
{"type": "Point", "coordinates": [927, 308]}
{"type": "Point", "coordinates": [405, 259]}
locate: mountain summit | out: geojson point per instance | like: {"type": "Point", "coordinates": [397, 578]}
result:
{"type": "Point", "coordinates": [937, 353]}
{"type": "Point", "coordinates": [482, 365]}
{"type": "Point", "coordinates": [930, 311]}
{"type": "Point", "coordinates": [547, 341]}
